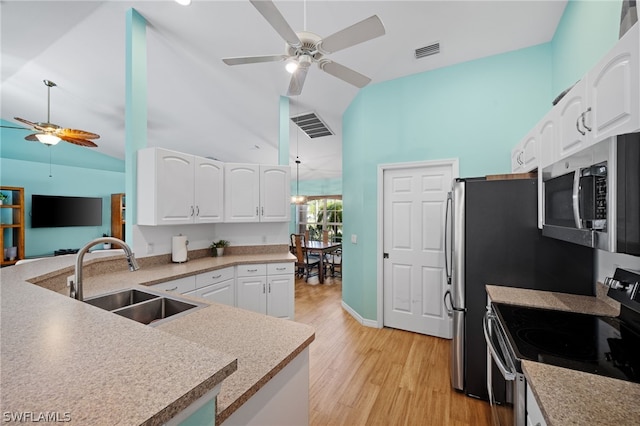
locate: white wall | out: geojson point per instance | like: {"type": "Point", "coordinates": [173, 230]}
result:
{"type": "Point", "coordinates": [606, 263]}
{"type": "Point", "coordinates": [154, 240]}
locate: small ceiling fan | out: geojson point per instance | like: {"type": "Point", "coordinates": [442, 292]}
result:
{"type": "Point", "coordinates": [49, 133]}
{"type": "Point", "coordinates": [304, 48]}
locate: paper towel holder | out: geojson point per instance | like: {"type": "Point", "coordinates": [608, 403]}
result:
{"type": "Point", "coordinates": [179, 252]}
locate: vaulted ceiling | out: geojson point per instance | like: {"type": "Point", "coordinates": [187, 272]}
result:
{"type": "Point", "coordinates": [197, 104]}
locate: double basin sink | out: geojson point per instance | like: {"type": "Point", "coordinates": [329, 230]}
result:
{"type": "Point", "coordinates": [147, 307]}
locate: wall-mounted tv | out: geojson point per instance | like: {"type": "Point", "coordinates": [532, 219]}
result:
{"type": "Point", "coordinates": [50, 211]}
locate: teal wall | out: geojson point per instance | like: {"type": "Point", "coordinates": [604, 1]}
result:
{"type": "Point", "coordinates": [475, 111]}
{"type": "Point", "coordinates": [74, 170]}
{"type": "Point", "coordinates": [585, 33]}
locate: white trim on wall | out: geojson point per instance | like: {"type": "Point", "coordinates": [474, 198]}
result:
{"type": "Point", "coordinates": [453, 162]}
{"type": "Point", "coordinates": [359, 318]}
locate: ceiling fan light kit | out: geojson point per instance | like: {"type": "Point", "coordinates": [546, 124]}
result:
{"type": "Point", "coordinates": [303, 48]}
{"type": "Point", "coordinates": [49, 133]}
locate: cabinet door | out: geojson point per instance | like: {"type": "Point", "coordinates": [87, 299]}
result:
{"type": "Point", "coordinates": [252, 293]}
{"type": "Point", "coordinates": [208, 190]}
{"type": "Point", "coordinates": [570, 109]}
{"type": "Point", "coordinates": [516, 159]}
{"type": "Point", "coordinates": [613, 90]}
{"type": "Point", "coordinates": [224, 292]}
{"type": "Point", "coordinates": [180, 285]}
{"type": "Point", "coordinates": [275, 193]}
{"type": "Point", "coordinates": [530, 149]}
{"type": "Point", "coordinates": [547, 136]}
{"type": "Point", "coordinates": [241, 192]}
{"type": "Point", "coordinates": [174, 190]}
{"type": "Point", "coordinates": [280, 296]}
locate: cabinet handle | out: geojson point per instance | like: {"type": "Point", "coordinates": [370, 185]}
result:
{"type": "Point", "coordinates": [197, 210]}
{"type": "Point", "coordinates": [281, 269]}
{"type": "Point", "coordinates": [262, 211]}
{"type": "Point", "coordinates": [263, 288]}
{"type": "Point", "coordinates": [191, 210]}
{"type": "Point", "coordinates": [256, 210]}
{"type": "Point", "coordinates": [269, 287]}
{"type": "Point", "coordinates": [583, 121]}
{"type": "Point", "coordinates": [215, 277]}
{"type": "Point", "coordinates": [578, 124]}
{"type": "Point", "coordinates": [520, 158]}
{"type": "Point", "coordinates": [172, 289]}
{"type": "Point", "coordinates": [252, 270]}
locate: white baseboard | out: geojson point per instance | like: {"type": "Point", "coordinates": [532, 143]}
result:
{"type": "Point", "coordinates": [359, 318]}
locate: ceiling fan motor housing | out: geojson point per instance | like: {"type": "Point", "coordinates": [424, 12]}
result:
{"type": "Point", "coordinates": [308, 48]}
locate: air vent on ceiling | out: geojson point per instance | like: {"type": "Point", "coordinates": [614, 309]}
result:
{"type": "Point", "coordinates": [312, 125]}
{"type": "Point", "coordinates": [432, 49]}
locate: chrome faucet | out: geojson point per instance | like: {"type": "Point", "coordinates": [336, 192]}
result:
{"type": "Point", "coordinates": [76, 285]}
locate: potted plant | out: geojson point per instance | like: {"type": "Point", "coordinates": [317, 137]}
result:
{"type": "Point", "coordinates": [217, 247]}
{"type": "Point", "coordinates": [3, 197]}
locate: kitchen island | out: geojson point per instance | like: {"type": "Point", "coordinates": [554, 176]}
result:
{"type": "Point", "coordinates": [568, 396]}
{"type": "Point", "coordinates": [65, 358]}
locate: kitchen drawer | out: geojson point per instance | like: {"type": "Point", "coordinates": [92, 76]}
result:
{"type": "Point", "coordinates": [279, 268]}
{"type": "Point", "coordinates": [214, 277]}
{"type": "Point", "coordinates": [181, 285]}
{"type": "Point", "coordinates": [252, 270]}
{"type": "Point", "coordinates": [223, 292]}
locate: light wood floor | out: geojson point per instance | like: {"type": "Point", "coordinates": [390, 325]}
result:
{"type": "Point", "coordinates": [366, 376]}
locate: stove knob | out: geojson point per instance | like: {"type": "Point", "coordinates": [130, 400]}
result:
{"type": "Point", "coordinates": [614, 284]}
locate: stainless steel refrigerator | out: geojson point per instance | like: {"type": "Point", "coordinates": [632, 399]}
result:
{"type": "Point", "coordinates": [494, 239]}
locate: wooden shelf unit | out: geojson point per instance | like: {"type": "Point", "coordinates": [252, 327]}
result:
{"type": "Point", "coordinates": [12, 232]}
{"type": "Point", "coordinates": [117, 216]}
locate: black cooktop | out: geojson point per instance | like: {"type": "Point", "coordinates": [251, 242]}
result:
{"type": "Point", "coordinates": [589, 343]}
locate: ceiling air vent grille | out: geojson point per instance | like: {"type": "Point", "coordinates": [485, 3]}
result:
{"type": "Point", "coordinates": [432, 49]}
{"type": "Point", "coordinates": [312, 125]}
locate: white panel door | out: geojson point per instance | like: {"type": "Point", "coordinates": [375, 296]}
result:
{"type": "Point", "coordinates": [208, 190]}
{"type": "Point", "coordinates": [414, 276]}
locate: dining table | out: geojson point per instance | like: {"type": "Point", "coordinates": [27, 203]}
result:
{"type": "Point", "coordinates": [322, 248]}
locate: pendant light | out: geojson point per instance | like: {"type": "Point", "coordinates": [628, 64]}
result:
{"type": "Point", "coordinates": [298, 199]}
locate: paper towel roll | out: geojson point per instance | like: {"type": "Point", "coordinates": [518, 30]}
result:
{"type": "Point", "coordinates": [179, 248]}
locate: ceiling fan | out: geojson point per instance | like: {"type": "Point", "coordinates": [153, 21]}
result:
{"type": "Point", "coordinates": [49, 133]}
{"type": "Point", "coordinates": [304, 48]}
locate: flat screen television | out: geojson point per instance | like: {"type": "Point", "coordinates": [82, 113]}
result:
{"type": "Point", "coordinates": [51, 211]}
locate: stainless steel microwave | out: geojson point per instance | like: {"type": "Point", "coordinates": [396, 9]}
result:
{"type": "Point", "coordinates": [592, 198]}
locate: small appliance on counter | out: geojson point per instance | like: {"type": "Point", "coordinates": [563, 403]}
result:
{"type": "Point", "coordinates": [179, 251]}
{"type": "Point", "coordinates": [606, 346]}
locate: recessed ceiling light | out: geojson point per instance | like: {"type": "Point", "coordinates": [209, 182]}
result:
{"type": "Point", "coordinates": [184, 2]}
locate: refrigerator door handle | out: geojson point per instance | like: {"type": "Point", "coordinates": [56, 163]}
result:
{"type": "Point", "coordinates": [447, 264]}
{"type": "Point", "coordinates": [453, 308]}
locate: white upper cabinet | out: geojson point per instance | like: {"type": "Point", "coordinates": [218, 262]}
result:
{"type": "Point", "coordinates": [606, 102]}
{"type": "Point", "coordinates": [613, 87]}
{"type": "Point", "coordinates": [524, 157]}
{"type": "Point", "coordinates": [257, 193]}
{"type": "Point", "coordinates": [176, 188]}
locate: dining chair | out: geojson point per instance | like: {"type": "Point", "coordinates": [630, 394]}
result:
{"type": "Point", "coordinates": [304, 263]}
{"type": "Point", "coordinates": [335, 264]}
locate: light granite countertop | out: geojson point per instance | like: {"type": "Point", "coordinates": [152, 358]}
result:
{"type": "Point", "coordinates": [62, 356]}
{"type": "Point", "coordinates": [570, 397]}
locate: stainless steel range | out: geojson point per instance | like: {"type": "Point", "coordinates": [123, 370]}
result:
{"type": "Point", "coordinates": [600, 345]}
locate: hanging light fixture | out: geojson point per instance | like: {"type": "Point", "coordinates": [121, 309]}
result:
{"type": "Point", "coordinates": [298, 199]}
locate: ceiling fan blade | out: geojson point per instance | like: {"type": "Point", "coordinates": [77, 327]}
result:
{"type": "Point", "coordinates": [254, 59]}
{"type": "Point", "coordinates": [360, 32]}
{"type": "Point", "coordinates": [78, 141]}
{"type": "Point", "coordinates": [277, 21]}
{"type": "Point", "coordinates": [297, 81]}
{"type": "Point", "coordinates": [31, 137]}
{"type": "Point", "coordinates": [27, 122]}
{"type": "Point", "coordinates": [14, 127]}
{"type": "Point", "coordinates": [76, 134]}
{"type": "Point", "coordinates": [344, 73]}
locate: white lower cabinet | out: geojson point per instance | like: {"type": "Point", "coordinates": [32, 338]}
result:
{"type": "Point", "coordinates": [266, 288]}
{"type": "Point", "coordinates": [184, 285]}
{"type": "Point", "coordinates": [534, 414]}
{"type": "Point", "coordinates": [217, 286]}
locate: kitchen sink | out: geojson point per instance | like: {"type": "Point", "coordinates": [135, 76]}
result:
{"type": "Point", "coordinates": [113, 301]}
{"type": "Point", "coordinates": [146, 307]}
